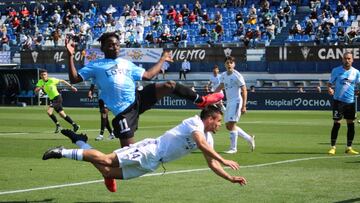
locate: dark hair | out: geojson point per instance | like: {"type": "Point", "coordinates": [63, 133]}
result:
{"type": "Point", "coordinates": [106, 36]}
{"type": "Point", "coordinates": [210, 111]}
{"type": "Point", "coordinates": [43, 71]}
{"type": "Point", "coordinates": [230, 58]}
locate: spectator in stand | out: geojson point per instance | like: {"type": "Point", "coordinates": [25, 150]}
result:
{"type": "Point", "coordinates": [203, 31]}
{"type": "Point", "coordinates": [270, 30]}
{"type": "Point", "coordinates": [356, 7]}
{"type": "Point", "coordinates": [177, 39]}
{"type": "Point", "coordinates": [92, 11]}
{"type": "Point", "coordinates": [247, 37]}
{"type": "Point", "coordinates": [265, 6]}
{"type": "Point", "coordinates": [205, 18]}
{"type": "Point", "coordinates": [296, 29]}
{"type": "Point", "coordinates": [309, 29]}
{"type": "Point", "coordinates": [342, 37]}
{"type": "Point", "coordinates": [315, 4]}
{"type": "Point", "coordinates": [197, 8]}
{"type": "Point", "coordinates": [171, 14]}
{"type": "Point", "coordinates": [15, 22]}
{"type": "Point", "coordinates": [326, 7]}
{"type": "Point", "coordinates": [185, 68]}
{"type": "Point", "coordinates": [319, 35]}
{"type": "Point", "coordinates": [56, 36]}
{"type": "Point", "coordinates": [126, 11]}
{"type": "Point", "coordinates": [300, 89]}
{"type": "Point", "coordinates": [239, 17]}
{"type": "Point", "coordinates": [327, 33]}
{"type": "Point", "coordinates": [179, 19]}
{"type": "Point", "coordinates": [5, 42]}
{"type": "Point", "coordinates": [343, 15]}
{"type": "Point", "coordinates": [185, 11]}
{"type": "Point", "coordinates": [352, 34]}
{"type": "Point", "coordinates": [192, 18]}
{"type": "Point", "coordinates": [240, 31]}
{"type": "Point", "coordinates": [350, 9]}
{"type": "Point", "coordinates": [158, 22]}
{"type": "Point", "coordinates": [339, 7]}
{"type": "Point", "coordinates": [318, 89]}
{"type": "Point", "coordinates": [214, 37]}
{"type": "Point", "coordinates": [252, 17]}
{"type": "Point", "coordinates": [252, 88]}
{"type": "Point", "coordinates": [159, 7]}
{"type": "Point", "coordinates": [218, 17]}
{"type": "Point", "coordinates": [219, 29]}
{"type": "Point", "coordinates": [184, 38]}
{"type": "Point", "coordinates": [149, 38]}
{"type": "Point", "coordinates": [24, 12]}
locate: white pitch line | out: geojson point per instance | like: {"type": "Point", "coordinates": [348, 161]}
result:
{"type": "Point", "coordinates": [176, 172]}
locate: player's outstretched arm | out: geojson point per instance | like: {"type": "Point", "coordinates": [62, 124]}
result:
{"type": "Point", "coordinates": [74, 89]}
{"type": "Point", "coordinates": [219, 170]}
{"type": "Point", "coordinates": [166, 56]}
{"type": "Point", "coordinates": [74, 77]}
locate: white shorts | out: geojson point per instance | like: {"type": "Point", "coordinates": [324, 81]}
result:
{"type": "Point", "coordinates": [233, 111]}
{"type": "Point", "coordinates": [138, 159]}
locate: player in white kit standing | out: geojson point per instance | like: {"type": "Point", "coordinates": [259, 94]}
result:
{"type": "Point", "coordinates": [236, 97]}
{"type": "Point", "coordinates": [147, 155]}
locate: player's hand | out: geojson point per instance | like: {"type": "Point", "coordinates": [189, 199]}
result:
{"type": "Point", "coordinates": [243, 110]}
{"type": "Point", "coordinates": [90, 95]}
{"type": "Point", "coordinates": [232, 164]}
{"type": "Point", "coordinates": [238, 179]}
{"type": "Point", "coordinates": [74, 89]}
{"type": "Point", "coordinates": [70, 46]}
{"type": "Point", "coordinates": [331, 91]}
{"type": "Point", "coordinates": [167, 56]}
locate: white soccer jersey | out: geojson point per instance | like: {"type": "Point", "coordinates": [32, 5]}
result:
{"type": "Point", "coordinates": [215, 81]}
{"type": "Point", "coordinates": [232, 85]}
{"type": "Point", "coordinates": [178, 141]}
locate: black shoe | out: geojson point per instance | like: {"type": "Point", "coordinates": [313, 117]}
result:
{"type": "Point", "coordinates": [76, 127]}
{"type": "Point", "coordinates": [53, 153]}
{"type": "Point", "coordinates": [74, 136]}
{"type": "Point", "coordinates": [57, 129]}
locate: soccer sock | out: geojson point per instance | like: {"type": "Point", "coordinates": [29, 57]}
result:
{"type": "Point", "coordinates": [83, 145]}
{"type": "Point", "coordinates": [243, 134]}
{"type": "Point", "coordinates": [108, 127]}
{"type": "Point", "coordinates": [69, 120]}
{"type": "Point", "coordinates": [350, 134]}
{"type": "Point", "coordinates": [187, 93]}
{"type": "Point", "coordinates": [334, 133]}
{"type": "Point", "coordinates": [54, 119]}
{"type": "Point", "coordinates": [233, 140]}
{"type": "Point", "coordinates": [102, 125]}
{"type": "Point", "coordinates": [76, 154]}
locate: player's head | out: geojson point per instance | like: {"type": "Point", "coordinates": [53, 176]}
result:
{"type": "Point", "coordinates": [44, 74]}
{"type": "Point", "coordinates": [211, 116]}
{"type": "Point", "coordinates": [110, 44]}
{"type": "Point", "coordinates": [348, 59]}
{"type": "Point", "coordinates": [216, 69]}
{"type": "Point", "coordinates": [230, 63]}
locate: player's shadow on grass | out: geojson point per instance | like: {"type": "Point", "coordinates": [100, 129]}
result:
{"type": "Point", "coordinates": [29, 201]}
{"type": "Point", "coordinates": [349, 200]}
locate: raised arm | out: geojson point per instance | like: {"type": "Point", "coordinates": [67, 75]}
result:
{"type": "Point", "coordinates": [73, 75]}
{"type": "Point", "coordinates": [166, 56]}
{"type": "Point", "coordinates": [69, 85]}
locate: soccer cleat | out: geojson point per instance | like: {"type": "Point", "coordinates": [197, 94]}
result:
{"type": "Point", "coordinates": [350, 150]}
{"type": "Point", "coordinates": [332, 151]}
{"type": "Point", "coordinates": [111, 136]}
{"type": "Point", "coordinates": [210, 99]}
{"type": "Point", "coordinates": [74, 137]}
{"type": "Point", "coordinates": [57, 129]}
{"type": "Point", "coordinates": [53, 153]}
{"type": "Point", "coordinates": [252, 142]}
{"type": "Point", "coordinates": [76, 127]}
{"type": "Point", "coordinates": [99, 137]}
{"type": "Point", "coordinates": [110, 184]}
{"type": "Point", "coordinates": [231, 151]}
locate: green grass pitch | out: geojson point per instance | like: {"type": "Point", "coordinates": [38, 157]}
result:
{"type": "Point", "coordinates": [290, 163]}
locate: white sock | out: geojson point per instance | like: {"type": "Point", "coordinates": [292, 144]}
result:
{"type": "Point", "coordinates": [233, 140]}
{"type": "Point", "coordinates": [243, 134]}
{"type": "Point", "coordinates": [76, 154]}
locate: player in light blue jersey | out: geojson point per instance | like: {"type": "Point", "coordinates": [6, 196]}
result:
{"type": "Point", "coordinates": [116, 77]}
{"type": "Point", "coordinates": [344, 80]}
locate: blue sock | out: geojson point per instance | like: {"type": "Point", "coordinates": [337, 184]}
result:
{"type": "Point", "coordinates": [83, 145]}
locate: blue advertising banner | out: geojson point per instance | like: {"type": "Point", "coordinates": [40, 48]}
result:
{"type": "Point", "coordinates": [289, 101]}
{"type": "Point", "coordinates": [256, 101]}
